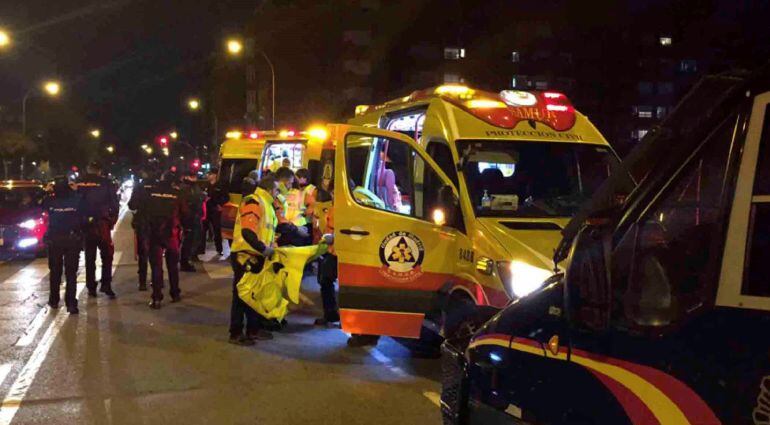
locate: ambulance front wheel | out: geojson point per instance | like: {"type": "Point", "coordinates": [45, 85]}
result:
{"type": "Point", "coordinates": [460, 316]}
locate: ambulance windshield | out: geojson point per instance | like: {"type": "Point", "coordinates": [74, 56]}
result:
{"type": "Point", "coordinates": [532, 179]}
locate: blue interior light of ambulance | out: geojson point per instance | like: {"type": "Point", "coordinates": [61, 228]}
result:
{"type": "Point", "coordinates": [518, 98]}
{"type": "Point", "coordinates": [485, 104]}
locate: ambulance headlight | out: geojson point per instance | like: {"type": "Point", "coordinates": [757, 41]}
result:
{"type": "Point", "coordinates": [521, 279]}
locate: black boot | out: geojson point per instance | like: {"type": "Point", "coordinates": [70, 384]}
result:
{"type": "Point", "coordinates": [107, 290]}
{"type": "Point", "coordinates": [155, 304]}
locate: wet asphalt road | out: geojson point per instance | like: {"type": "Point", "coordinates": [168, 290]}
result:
{"type": "Point", "coordinates": [119, 362]}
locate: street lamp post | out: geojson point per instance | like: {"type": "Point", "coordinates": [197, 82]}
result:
{"type": "Point", "coordinates": [235, 47]}
{"type": "Point", "coordinates": [52, 88]}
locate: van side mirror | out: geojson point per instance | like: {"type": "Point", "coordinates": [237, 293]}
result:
{"type": "Point", "coordinates": [446, 212]}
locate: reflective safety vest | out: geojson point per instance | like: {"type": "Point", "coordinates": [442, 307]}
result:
{"type": "Point", "coordinates": [308, 197]}
{"type": "Point", "coordinates": [267, 221]}
{"type": "Point", "coordinates": [295, 207]}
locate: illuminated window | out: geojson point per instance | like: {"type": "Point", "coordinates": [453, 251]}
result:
{"type": "Point", "coordinates": [506, 169]}
{"type": "Point", "coordinates": [661, 111]}
{"type": "Point", "coordinates": [638, 134]}
{"type": "Point", "coordinates": [514, 57]}
{"type": "Point", "coordinates": [454, 53]}
{"type": "Point", "coordinates": [665, 41]}
{"type": "Point", "coordinates": [513, 82]}
{"type": "Point", "coordinates": [644, 111]}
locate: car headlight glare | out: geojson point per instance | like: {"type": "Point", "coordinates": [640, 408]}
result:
{"type": "Point", "coordinates": [28, 224]}
{"type": "Point", "coordinates": [521, 279]}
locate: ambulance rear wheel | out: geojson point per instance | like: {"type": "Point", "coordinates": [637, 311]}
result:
{"type": "Point", "coordinates": [460, 316]}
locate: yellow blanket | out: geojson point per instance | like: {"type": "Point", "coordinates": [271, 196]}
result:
{"type": "Point", "coordinates": [270, 291]}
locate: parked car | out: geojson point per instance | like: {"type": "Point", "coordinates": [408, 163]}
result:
{"type": "Point", "coordinates": [22, 221]}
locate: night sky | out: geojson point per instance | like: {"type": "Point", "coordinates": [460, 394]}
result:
{"type": "Point", "coordinates": [127, 65]}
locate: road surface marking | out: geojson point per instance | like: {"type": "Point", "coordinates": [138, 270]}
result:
{"type": "Point", "coordinates": [26, 377]}
{"type": "Point", "coordinates": [218, 270]}
{"type": "Point", "coordinates": [20, 386]}
{"type": "Point", "coordinates": [32, 272]}
{"type": "Point", "coordinates": [433, 396]}
{"type": "Point", "coordinates": [4, 371]}
{"type": "Point", "coordinates": [386, 361]}
{"type": "Point", "coordinates": [37, 323]}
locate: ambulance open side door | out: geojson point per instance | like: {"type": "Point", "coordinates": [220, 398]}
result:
{"type": "Point", "coordinates": [393, 213]}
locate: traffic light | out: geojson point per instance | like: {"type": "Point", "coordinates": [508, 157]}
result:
{"type": "Point", "coordinates": [164, 141]}
{"type": "Point", "coordinates": [196, 164]}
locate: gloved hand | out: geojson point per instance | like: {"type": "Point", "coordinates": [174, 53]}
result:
{"type": "Point", "coordinates": [328, 239]}
{"type": "Point", "coordinates": [268, 252]}
{"type": "Point", "coordinates": [302, 231]}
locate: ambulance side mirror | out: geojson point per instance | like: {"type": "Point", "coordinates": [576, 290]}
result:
{"type": "Point", "coordinates": [446, 212]}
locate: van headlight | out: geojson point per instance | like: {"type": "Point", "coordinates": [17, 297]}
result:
{"type": "Point", "coordinates": [521, 279]}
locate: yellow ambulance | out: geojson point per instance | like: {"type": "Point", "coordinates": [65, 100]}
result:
{"type": "Point", "coordinates": [243, 152]}
{"type": "Point", "coordinates": [449, 202]}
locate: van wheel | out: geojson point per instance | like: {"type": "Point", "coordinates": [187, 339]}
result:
{"type": "Point", "coordinates": [461, 318]}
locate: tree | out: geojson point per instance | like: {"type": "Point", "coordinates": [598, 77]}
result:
{"type": "Point", "coordinates": [13, 145]}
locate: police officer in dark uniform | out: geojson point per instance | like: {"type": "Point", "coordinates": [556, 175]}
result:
{"type": "Point", "coordinates": [101, 207]}
{"type": "Point", "coordinates": [64, 238]}
{"type": "Point", "coordinates": [165, 210]}
{"type": "Point", "coordinates": [192, 225]}
{"type": "Point", "coordinates": [139, 222]}
{"type": "Point", "coordinates": [216, 197]}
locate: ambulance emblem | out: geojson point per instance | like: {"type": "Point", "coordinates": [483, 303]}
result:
{"type": "Point", "coordinates": [401, 254]}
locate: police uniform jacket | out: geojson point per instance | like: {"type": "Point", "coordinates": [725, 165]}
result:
{"type": "Point", "coordinates": [100, 198]}
{"type": "Point", "coordinates": [66, 218]}
{"type": "Point", "coordinates": [164, 209]}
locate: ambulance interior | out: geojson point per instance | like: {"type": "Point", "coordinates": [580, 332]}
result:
{"type": "Point", "coordinates": [283, 154]}
{"type": "Point", "coordinates": [532, 179]}
{"type": "Point", "coordinates": [388, 174]}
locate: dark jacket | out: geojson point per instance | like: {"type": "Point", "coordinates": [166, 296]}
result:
{"type": "Point", "coordinates": [194, 198]}
{"type": "Point", "coordinates": [217, 196]}
{"type": "Point", "coordinates": [66, 218]}
{"type": "Point", "coordinates": [138, 196]}
{"type": "Point", "coordinates": [163, 210]}
{"type": "Point", "coordinates": [100, 199]}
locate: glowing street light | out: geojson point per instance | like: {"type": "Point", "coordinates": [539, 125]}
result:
{"type": "Point", "coordinates": [52, 88]}
{"type": "Point", "coordinates": [174, 135]}
{"type": "Point", "coordinates": [194, 104]}
{"type": "Point", "coordinates": [5, 39]}
{"type": "Point", "coordinates": [234, 46]}
{"type": "Point", "coordinates": [96, 133]}
{"type": "Point", "coordinates": [110, 149]}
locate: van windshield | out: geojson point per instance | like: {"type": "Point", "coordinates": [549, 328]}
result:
{"type": "Point", "coordinates": [532, 179]}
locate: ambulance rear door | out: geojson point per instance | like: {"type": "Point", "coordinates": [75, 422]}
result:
{"type": "Point", "coordinates": [393, 210]}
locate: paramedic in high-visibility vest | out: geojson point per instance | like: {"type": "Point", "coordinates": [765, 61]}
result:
{"type": "Point", "coordinates": [307, 195]}
{"type": "Point", "coordinates": [294, 235]}
{"type": "Point", "coordinates": [254, 233]}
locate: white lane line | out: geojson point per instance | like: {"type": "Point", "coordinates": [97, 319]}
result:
{"type": "Point", "coordinates": [386, 361]}
{"type": "Point", "coordinates": [32, 272]}
{"type": "Point", "coordinates": [4, 371]}
{"type": "Point", "coordinates": [37, 323]}
{"type": "Point", "coordinates": [21, 385]}
{"type": "Point", "coordinates": [433, 396]}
